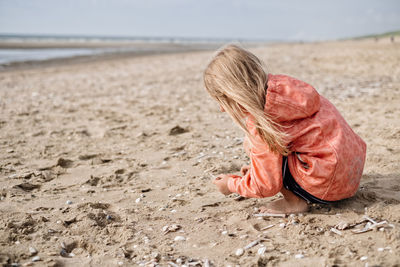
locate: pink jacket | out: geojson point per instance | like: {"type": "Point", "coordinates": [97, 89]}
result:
{"type": "Point", "coordinates": [327, 157]}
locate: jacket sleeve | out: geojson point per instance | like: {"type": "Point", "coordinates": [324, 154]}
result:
{"type": "Point", "coordinates": [264, 178]}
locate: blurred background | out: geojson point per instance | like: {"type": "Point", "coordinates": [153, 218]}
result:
{"type": "Point", "coordinates": [44, 29]}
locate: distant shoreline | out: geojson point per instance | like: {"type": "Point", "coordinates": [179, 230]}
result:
{"type": "Point", "coordinates": [95, 52]}
{"type": "Point", "coordinates": [124, 39]}
{"type": "Point", "coordinates": [16, 50]}
{"type": "Point", "coordinates": [68, 51]}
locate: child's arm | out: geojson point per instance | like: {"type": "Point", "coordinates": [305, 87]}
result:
{"type": "Point", "coordinates": [263, 179]}
{"type": "Point", "coordinates": [264, 176]}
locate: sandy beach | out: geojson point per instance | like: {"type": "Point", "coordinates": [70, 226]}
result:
{"type": "Point", "coordinates": [110, 163]}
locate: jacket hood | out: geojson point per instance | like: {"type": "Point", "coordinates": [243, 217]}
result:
{"type": "Point", "coordinates": [290, 99]}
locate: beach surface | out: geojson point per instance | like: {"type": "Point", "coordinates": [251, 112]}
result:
{"type": "Point", "coordinates": [110, 163]}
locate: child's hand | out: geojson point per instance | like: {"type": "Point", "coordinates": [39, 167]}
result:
{"type": "Point", "coordinates": [222, 184]}
{"type": "Point", "coordinates": [244, 169]}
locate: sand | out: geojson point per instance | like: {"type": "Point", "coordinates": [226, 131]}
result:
{"type": "Point", "coordinates": [95, 172]}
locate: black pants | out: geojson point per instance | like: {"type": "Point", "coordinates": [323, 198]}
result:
{"type": "Point", "coordinates": [290, 184]}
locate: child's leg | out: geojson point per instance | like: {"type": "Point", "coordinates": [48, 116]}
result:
{"type": "Point", "coordinates": [289, 204]}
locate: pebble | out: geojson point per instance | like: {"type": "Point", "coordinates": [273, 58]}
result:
{"type": "Point", "coordinates": [173, 211]}
{"type": "Point", "coordinates": [138, 200]}
{"type": "Point", "coordinates": [63, 253]}
{"type": "Point", "coordinates": [239, 252]}
{"type": "Point", "coordinates": [298, 256]}
{"type": "Point", "coordinates": [342, 225]}
{"type": "Point", "coordinates": [224, 232]}
{"type": "Point", "coordinates": [36, 258]}
{"type": "Point", "coordinates": [363, 258]}
{"type": "Point", "coordinates": [68, 202]}
{"type": "Point", "coordinates": [282, 225]}
{"type": "Point", "coordinates": [261, 250]}
{"type": "Point", "coordinates": [179, 238]}
{"type": "Point", "coordinates": [171, 228]}
{"type": "Point", "coordinates": [120, 263]}
{"type": "Point", "coordinates": [156, 256]}
{"type": "Point", "coordinates": [32, 251]}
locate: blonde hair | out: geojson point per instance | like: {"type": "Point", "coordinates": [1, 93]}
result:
{"type": "Point", "coordinates": [237, 80]}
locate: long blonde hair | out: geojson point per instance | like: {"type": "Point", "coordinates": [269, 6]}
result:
{"type": "Point", "coordinates": [237, 80]}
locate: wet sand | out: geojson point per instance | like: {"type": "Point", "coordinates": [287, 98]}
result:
{"type": "Point", "coordinates": [95, 172]}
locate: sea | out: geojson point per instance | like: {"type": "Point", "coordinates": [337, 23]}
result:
{"type": "Point", "coordinates": [9, 55]}
{"type": "Point", "coordinates": [22, 48]}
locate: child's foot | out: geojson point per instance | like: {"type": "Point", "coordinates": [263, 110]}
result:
{"type": "Point", "coordinates": [290, 203]}
{"type": "Point", "coordinates": [284, 206]}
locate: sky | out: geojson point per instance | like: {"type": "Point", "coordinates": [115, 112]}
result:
{"type": "Point", "coordinates": [244, 19]}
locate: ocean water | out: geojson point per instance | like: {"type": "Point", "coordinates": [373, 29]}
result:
{"type": "Point", "coordinates": [20, 55]}
{"type": "Point", "coordinates": [155, 44]}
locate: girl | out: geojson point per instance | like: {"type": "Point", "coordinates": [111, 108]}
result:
{"type": "Point", "coordinates": [297, 141]}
